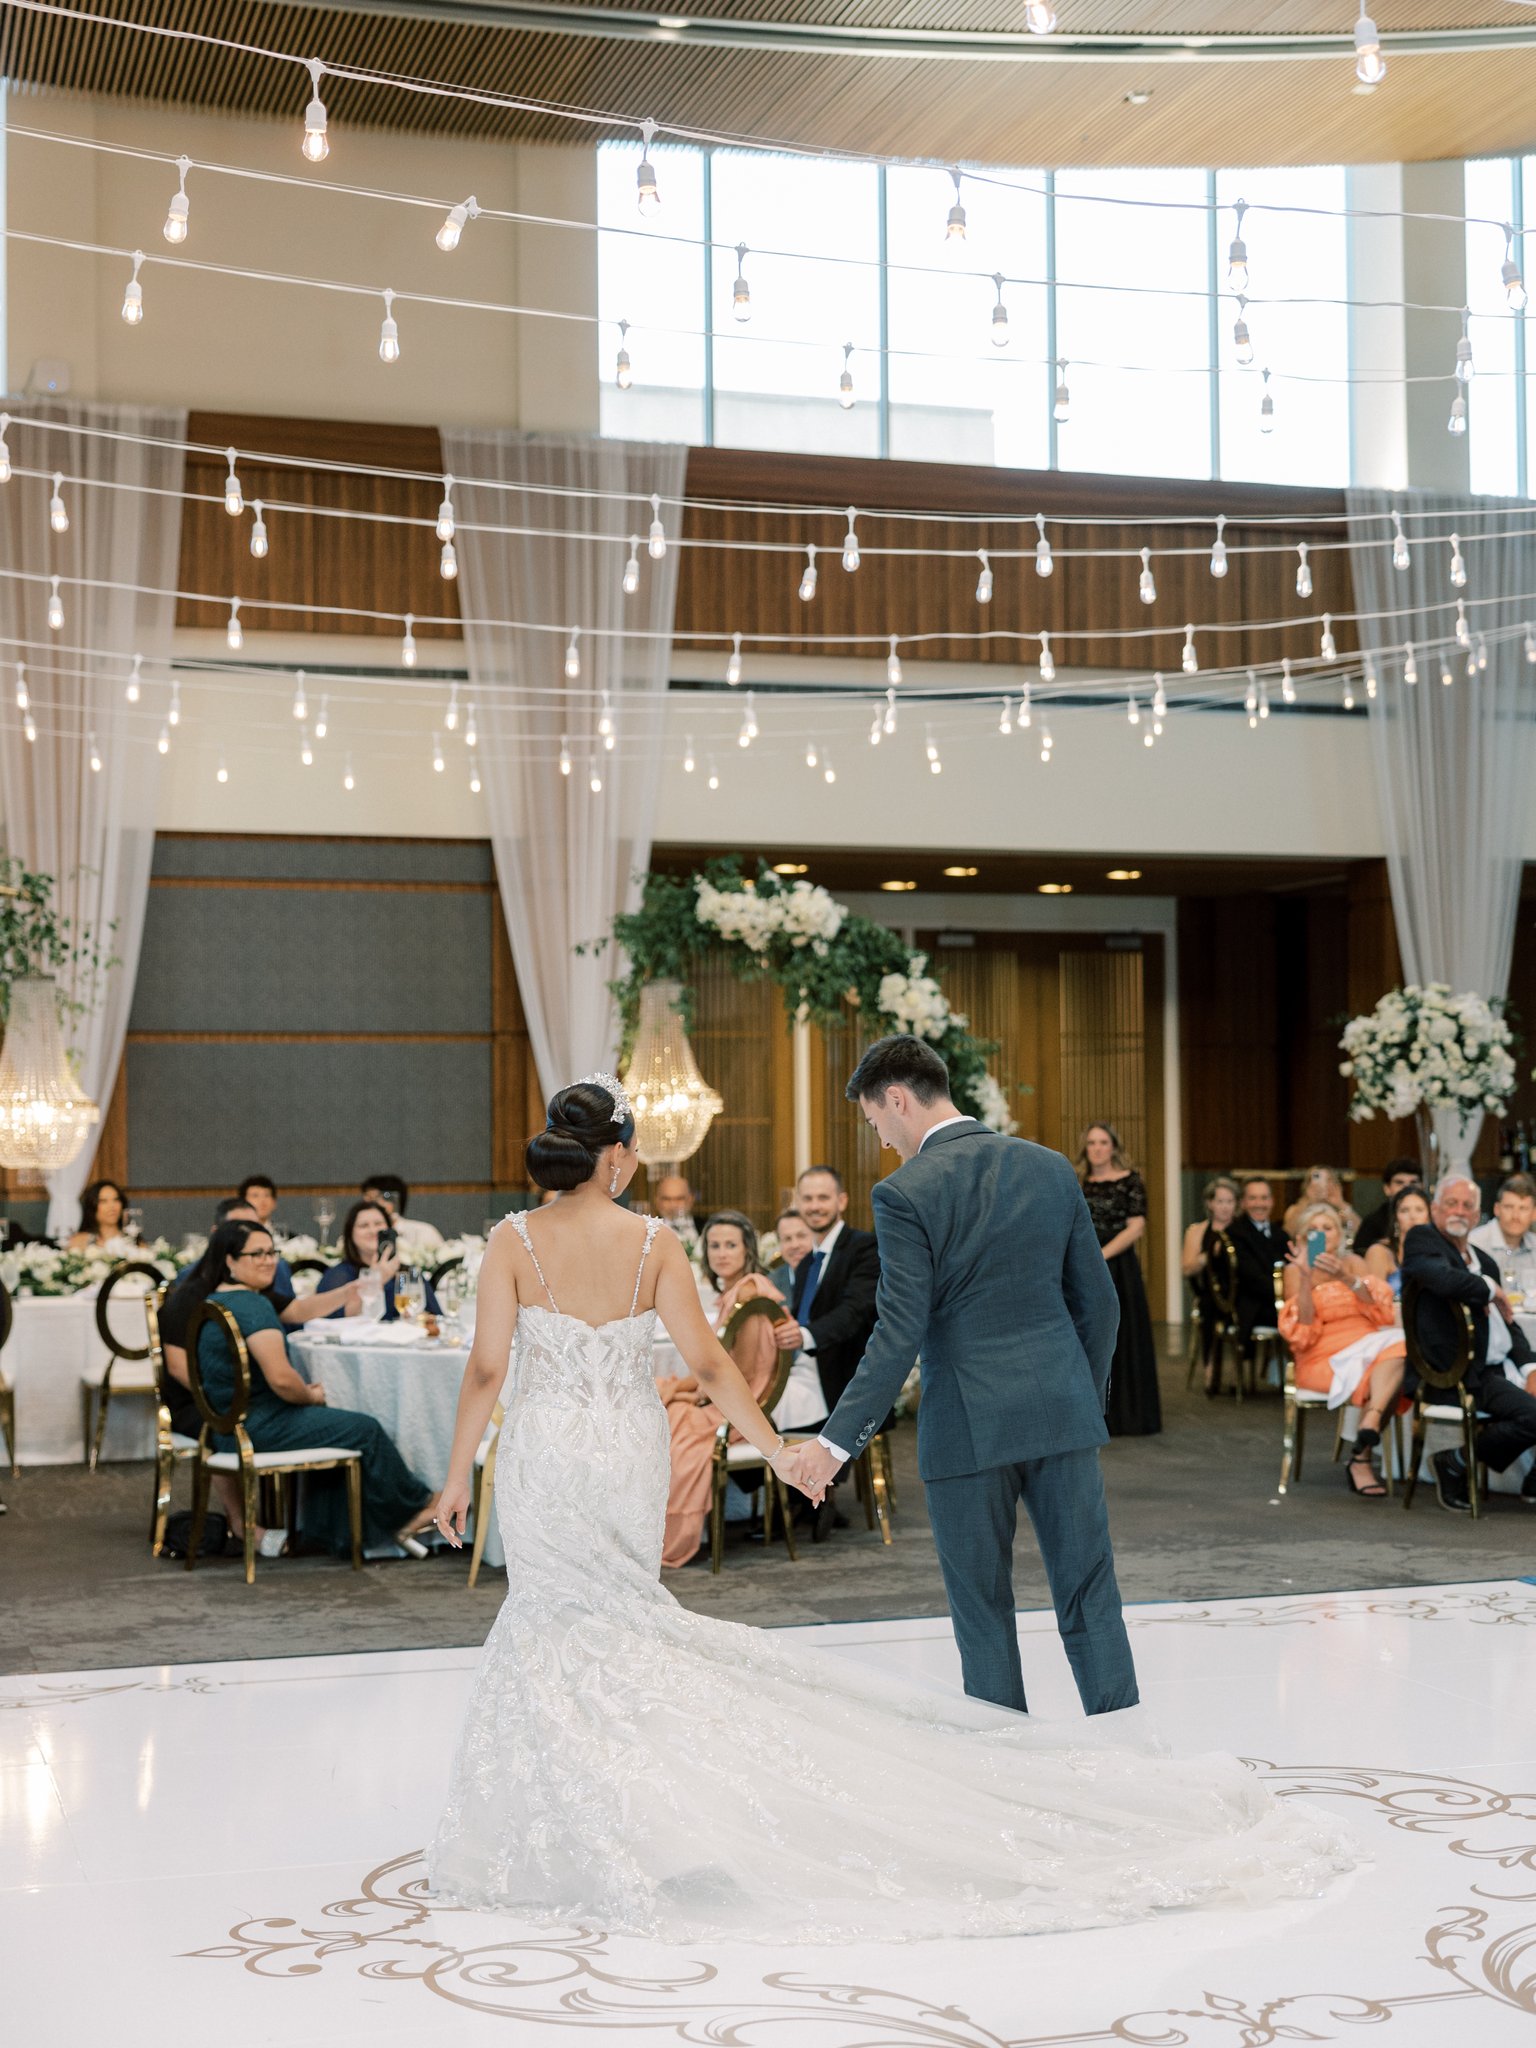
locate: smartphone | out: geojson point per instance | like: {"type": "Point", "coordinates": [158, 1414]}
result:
{"type": "Point", "coordinates": [389, 1239]}
{"type": "Point", "coordinates": [1317, 1244]}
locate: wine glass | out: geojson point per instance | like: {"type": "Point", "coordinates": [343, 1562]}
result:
{"type": "Point", "coordinates": [133, 1222]}
{"type": "Point", "coordinates": [325, 1216]}
{"type": "Point", "coordinates": [409, 1294]}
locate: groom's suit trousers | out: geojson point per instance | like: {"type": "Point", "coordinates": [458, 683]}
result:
{"type": "Point", "coordinates": [974, 1518]}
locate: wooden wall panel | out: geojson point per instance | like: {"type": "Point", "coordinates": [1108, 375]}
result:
{"type": "Point", "coordinates": [1229, 1032]}
{"type": "Point", "coordinates": [742, 1046]}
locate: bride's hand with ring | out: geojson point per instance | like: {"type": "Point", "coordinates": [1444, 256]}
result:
{"type": "Point", "coordinates": [452, 1515]}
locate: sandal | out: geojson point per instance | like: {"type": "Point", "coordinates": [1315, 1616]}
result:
{"type": "Point", "coordinates": [1371, 1488]}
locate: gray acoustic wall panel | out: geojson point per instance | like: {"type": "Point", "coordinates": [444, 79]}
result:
{"type": "Point", "coordinates": [172, 1216]}
{"type": "Point", "coordinates": [318, 860]}
{"type": "Point", "coordinates": [253, 959]}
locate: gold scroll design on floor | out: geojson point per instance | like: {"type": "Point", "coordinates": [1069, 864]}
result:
{"type": "Point", "coordinates": [573, 1978]}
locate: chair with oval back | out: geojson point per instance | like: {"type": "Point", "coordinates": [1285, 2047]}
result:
{"type": "Point", "coordinates": [171, 1449]}
{"type": "Point", "coordinates": [130, 1369]}
{"type": "Point", "coordinates": [1443, 1394]}
{"type": "Point", "coordinates": [7, 1384]}
{"type": "Point", "coordinates": [448, 1266]}
{"type": "Point", "coordinates": [251, 1464]}
{"type": "Point", "coordinates": [730, 1459]}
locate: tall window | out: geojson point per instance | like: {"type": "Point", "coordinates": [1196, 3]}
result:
{"type": "Point", "coordinates": [956, 339]}
{"type": "Point", "coordinates": [1499, 424]}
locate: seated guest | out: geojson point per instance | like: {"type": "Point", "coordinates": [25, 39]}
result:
{"type": "Point", "coordinates": [1409, 1208]}
{"type": "Point", "coordinates": [1508, 1235]}
{"type": "Point", "coordinates": [391, 1193]}
{"type": "Point", "coordinates": [287, 1413]}
{"type": "Point", "coordinates": [1202, 1245]}
{"type": "Point", "coordinates": [103, 1207]}
{"type": "Point", "coordinates": [364, 1225]}
{"type": "Point", "coordinates": [730, 1251]}
{"type": "Point", "coordinates": [1439, 1259]}
{"type": "Point", "coordinates": [1261, 1245]}
{"type": "Point", "coordinates": [674, 1205]}
{"type": "Point", "coordinates": [1338, 1320]}
{"type": "Point", "coordinates": [803, 1402]}
{"type": "Point", "coordinates": [1322, 1184]}
{"type": "Point", "coordinates": [1377, 1227]}
{"type": "Point", "coordinates": [237, 1206]}
{"type": "Point", "coordinates": [260, 1191]}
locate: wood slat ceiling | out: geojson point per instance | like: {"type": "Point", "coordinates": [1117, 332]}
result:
{"type": "Point", "coordinates": [977, 109]}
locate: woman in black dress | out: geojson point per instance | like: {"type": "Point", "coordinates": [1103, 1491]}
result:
{"type": "Point", "coordinates": [1117, 1201]}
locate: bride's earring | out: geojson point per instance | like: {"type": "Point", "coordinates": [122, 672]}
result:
{"type": "Point", "coordinates": [613, 1179]}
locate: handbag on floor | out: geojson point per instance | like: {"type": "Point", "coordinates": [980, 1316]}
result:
{"type": "Point", "coordinates": [178, 1534]}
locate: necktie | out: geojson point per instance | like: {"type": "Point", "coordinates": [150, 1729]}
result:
{"type": "Point", "coordinates": [813, 1266]}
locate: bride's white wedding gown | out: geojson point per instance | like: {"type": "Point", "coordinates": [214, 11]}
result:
{"type": "Point", "coordinates": [625, 1762]}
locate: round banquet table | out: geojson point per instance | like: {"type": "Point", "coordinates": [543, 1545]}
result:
{"type": "Point", "coordinates": [53, 1345]}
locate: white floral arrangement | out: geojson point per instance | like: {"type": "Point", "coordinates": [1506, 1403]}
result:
{"type": "Point", "coordinates": [804, 914]}
{"type": "Point", "coordinates": [995, 1113]}
{"type": "Point", "coordinates": [1425, 1048]}
{"type": "Point", "coordinates": [44, 1271]}
{"type": "Point", "coordinates": [914, 1002]}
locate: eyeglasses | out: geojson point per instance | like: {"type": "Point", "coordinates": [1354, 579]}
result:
{"type": "Point", "coordinates": [269, 1253]}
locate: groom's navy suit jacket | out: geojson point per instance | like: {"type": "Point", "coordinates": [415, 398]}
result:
{"type": "Point", "coordinates": [989, 1266]}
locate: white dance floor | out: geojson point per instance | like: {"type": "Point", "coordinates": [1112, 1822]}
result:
{"type": "Point", "coordinates": [231, 1853]}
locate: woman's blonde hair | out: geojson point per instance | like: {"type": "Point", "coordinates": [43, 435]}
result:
{"type": "Point", "coordinates": [1332, 1172]}
{"type": "Point", "coordinates": [1116, 1150]}
{"type": "Point", "coordinates": [1219, 1180]}
{"type": "Point", "coordinates": [1320, 1209]}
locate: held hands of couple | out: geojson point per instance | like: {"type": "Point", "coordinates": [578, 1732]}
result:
{"type": "Point", "coordinates": [810, 1466]}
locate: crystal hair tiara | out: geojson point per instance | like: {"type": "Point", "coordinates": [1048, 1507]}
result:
{"type": "Point", "coordinates": [623, 1108]}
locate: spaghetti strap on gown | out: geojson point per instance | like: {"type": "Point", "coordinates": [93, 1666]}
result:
{"type": "Point", "coordinates": [626, 1763]}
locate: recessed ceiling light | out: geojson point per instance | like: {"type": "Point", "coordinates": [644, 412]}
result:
{"type": "Point", "coordinates": [961, 874]}
{"type": "Point", "coordinates": [1124, 875]}
{"type": "Point", "coordinates": [791, 867]}
{"type": "Point", "coordinates": [1055, 889]}
{"type": "Point", "coordinates": [1138, 95]}
{"type": "Point", "coordinates": [897, 888]}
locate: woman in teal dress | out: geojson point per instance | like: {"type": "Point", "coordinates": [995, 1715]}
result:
{"type": "Point", "coordinates": [287, 1413]}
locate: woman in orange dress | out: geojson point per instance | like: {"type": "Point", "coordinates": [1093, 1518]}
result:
{"type": "Point", "coordinates": [1333, 1303]}
{"type": "Point", "coordinates": [730, 1253]}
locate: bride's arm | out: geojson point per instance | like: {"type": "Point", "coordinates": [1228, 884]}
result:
{"type": "Point", "coordinates": [485, 1373]}
{"type": "Point", "coordinates": [677, 1303]}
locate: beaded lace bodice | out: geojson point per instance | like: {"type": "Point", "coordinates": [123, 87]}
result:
{"type": "Point", "coordinates": [562, 1359]}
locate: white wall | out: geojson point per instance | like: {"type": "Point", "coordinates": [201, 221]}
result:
{"type": "Point", "coordinates": [225, 343]}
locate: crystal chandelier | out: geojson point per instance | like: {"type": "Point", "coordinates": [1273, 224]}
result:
{"type": "Point", "coordinates": [674, 1104]}
{"type": "Point", "coordinates": [44, 1118]}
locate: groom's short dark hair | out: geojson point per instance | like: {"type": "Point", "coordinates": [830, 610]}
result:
{"type": "Point", "coordinates": [899, 1061]}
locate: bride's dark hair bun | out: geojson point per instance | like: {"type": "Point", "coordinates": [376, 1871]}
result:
{"type": "Point", "coordinates": [564, 1154]}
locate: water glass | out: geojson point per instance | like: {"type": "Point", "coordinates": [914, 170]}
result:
{"type": "Point", "coordinates": [371, 1288]}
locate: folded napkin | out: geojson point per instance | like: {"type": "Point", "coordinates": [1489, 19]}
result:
{"type": "Point", "coordinates": [359, 1330]}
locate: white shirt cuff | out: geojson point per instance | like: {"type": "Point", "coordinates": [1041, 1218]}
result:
{"type": "Point", "coordinates": [807, 1342]}
{"type": "Point", "coordinates": [836, 1449]}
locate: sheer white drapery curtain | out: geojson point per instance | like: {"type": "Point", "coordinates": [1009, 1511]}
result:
{"type": "Point", "coordinates": [93, 831]}
{"type": "Point", "coordinates": [1454, 763]}
{"type": "Point", "coordinates": [566, 858]}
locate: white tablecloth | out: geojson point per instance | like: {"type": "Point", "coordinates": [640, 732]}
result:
{"type": "Point", "coordinates": [53, 1344]}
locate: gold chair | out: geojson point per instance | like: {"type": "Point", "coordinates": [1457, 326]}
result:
{"type": "Point", "coordinates": [1460, 1410]}
{"type": "Point", "coordinates": [730, 1459]}
{"type": "Point", "coordinates": [1268, 1349]}
{"type": "Point", "coordinates": [7, 1384]}
{"type": "Point", "coordinates": [131, 1369]}
{"type": "Point", "coordinates": [171, 1449]}
{"type": "Point", "coordinates": [1213, 1319]}
{"type": "Point", "coordinates": [875, 1485]}
{"type": "Point", "coordinates": [485, 1489]}
{"type": "Point", "coordinates": [252, 1465]}
{"type": "Point", "coordinates": [1299, 1403]}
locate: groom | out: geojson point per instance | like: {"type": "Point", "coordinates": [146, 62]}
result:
{"type": "Point", "coordinates": [990, 1268]}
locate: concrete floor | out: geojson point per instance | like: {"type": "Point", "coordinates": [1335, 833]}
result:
{"type": "Point", "coordinates": [1194, 1513]}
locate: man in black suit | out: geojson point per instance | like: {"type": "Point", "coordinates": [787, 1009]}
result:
{"type": "Point", "coordinates": [833, 1303]}
{"type": "Point", "coordinates": [1438, 1260]}
{"type": "Point", "coordinates": [1377, 1227]}
{"type": "Point", "coordinates": [1260, 1244]}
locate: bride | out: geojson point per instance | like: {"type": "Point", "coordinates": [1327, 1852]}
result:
{"type": "Point", "coordinates": [626, 1761]}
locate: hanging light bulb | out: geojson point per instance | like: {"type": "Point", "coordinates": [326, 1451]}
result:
{"type": "Point", "coordinates": [689, 764]}
{"type": "Point", "coordinates": [5, 450]}
{"type": "Point", "coordinates": [307, 752]}
{"type": "Point", "coordinates": [1446, 677]}
{"type": "Point", "coordinates": [1263, 698]}
{"type": "Point", "coordinates": [471, 734]}
{"type": "Point", "coordinates": [1237, 254]}
{"type": "Point", "coordinates": [178, 212]}
{"type": "Point", "coordinates": [58, 515]}
{"type": "Point", "coordinates": [474, 778]}
{"type": "Point", "coordinates": [623, 368]}
{"type": "Point", "coordinates": [389, 332]}
{"type": "Point", "coordinates": [984, 580]}
{"type": "Point", "coordinates": [733, 662]}
{"type": "Point", "coordinates": [605, 716]}
{"type": "Point", "coordinates": [1132, 710]}
{"type": "Point", "coordinates": [714, 774]}
{"type": "Point", "coordinates": [1045, 742]}
{"type": "Point", "coordinates": [1328, 649]}
{"type": "Point", "coordinates": [163, 743]}
{"type": "Point", "coordinates": [851, 544]}
{"type": "Point", "coordinates": [1482, 655]}
{"type": "Point", "coordinates": [656, 540]}
{"type": "Point", "coordinates": [875, 730]}
{"type": "Point", "coordinates": [1026, 715]}
{"type": "Point", "coordinates": [935, 765]}
{"type": "Point", "coordinates": [300, 701]}
{"type": "Point", "coordinates": [1303, 571]}
{"type": "Point", "coordinates": [1040, 18]}
{"type": "Point", "coordinates": [748, 731]}
{"type": "Point", "coordinates": [234, 635]}
{"type": "Point", "coordinates": [1005, 718]}
{"type": "Point", "coordinates": [1370, 678]}
{"type": "Point", "coordinates": [1458, 564]}
{"type": "Point", "coordinates": [448, 235]}
{"type": "Point", "coordinates": [221, 774]}
{"type": "Point", "coordinates": [55, 606]}
{"type": "Point", "coordinates": [1044, 564]}
{"type": "Point", "coordinates": [408, 642]}
{"type": "Point", "coordinates": [808, 575]}
{"type": "Point", "coordinates": [1463, 630]}
{"type": "Point", "coordinates": [259, 532]}
{"type": "Point", "coordinates": [1149, 737]}
{"type": "Point", "coordinates": [572, 658]}
{"type": "Point", "coordinates": [1242, 340]}
{"type": "Point", "coordinates": [889, 721]}
{"type": "Point", "coordinates": [893, 665]}
{"type": "Point", "coordinates": [447, 526]}
{"type": "Point", "coordinates": [810, 754]}
{"type": "Point", "coordinates": [828, 772]}
{"type": "Point", "coordinates": [1457, 423]}
{"type": "Point", "coordinates": [1047, 660]}
{"type": "Point", "coordinates": [349, 780]}
{"type": "Point", "coordinates": [565, 755]}
{"type": "Point", "coordinates": [1219, 548]}
{"type": "Point", "coordinates": [741, 291]}
{"type": "Point", "coordinates": [632, 567]}
{"type": "Point", "coordinates": [1370, 65]}
{"type": "Point", "coordinates": [1509, 275]}
{"type": "Point", "coordinates": [647, 194]}
{"type": "Point", "coordinates": [1530, 645]}
{"type": "Point", "coordinates": [1159, 699]}
{"type": "Point", "coordinates": [439, 765]}
{"type": "Point", "coordinates": [954, 226]}
{"type": "Point", "coordinates": [316, 144]}
{"type": "Point", "coordinates": [23, 698]}
{"type": "Point", "coordinates": [1061, 408]}
{"type": "Point", "coordinates": [234, 497]}
{"type": "Point", "coordinates": [1189, 661]}
{"type": "Point", "coordinates": [173, 714]}
{"type": "Point", "coordinates": [131, 688]}
{"type": "Point", "coordinates": [1410, 665]}
{"type": "Point", "coordinates": [1400, 555]}
{"type": "Point", "coordinates": [1267, 408]}
{"type": "Point", "coordinates": [133, 294]}
{"type": "Point", "coordinates": [1464, 350]}
{"type": "Point", "coordinates": [448, 562]}
{"type": "Point", "coordinates": [1147, 586]}
{"type": "Point", "coordinates": [845, 381]}
{"type": "Point", "coordinates": [594, 779]}
{"type": "Point", "coordinates": [322, 721]}
{"type": "Point", "coordinates": [1287, 686]}
{"type": "Point", "coordinates": [1251, 701]}
{"type": "Point", "coordinates": [999, 314]}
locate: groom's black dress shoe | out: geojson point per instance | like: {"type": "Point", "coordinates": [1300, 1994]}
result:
{"type": "Point", "coordinates": [1450, 1469]}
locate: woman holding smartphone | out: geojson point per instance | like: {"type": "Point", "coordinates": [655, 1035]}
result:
{"type": "Point", "coordinates": [368, 1246]}
{"type": "Point", "coordinates": [1339, 1320]}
